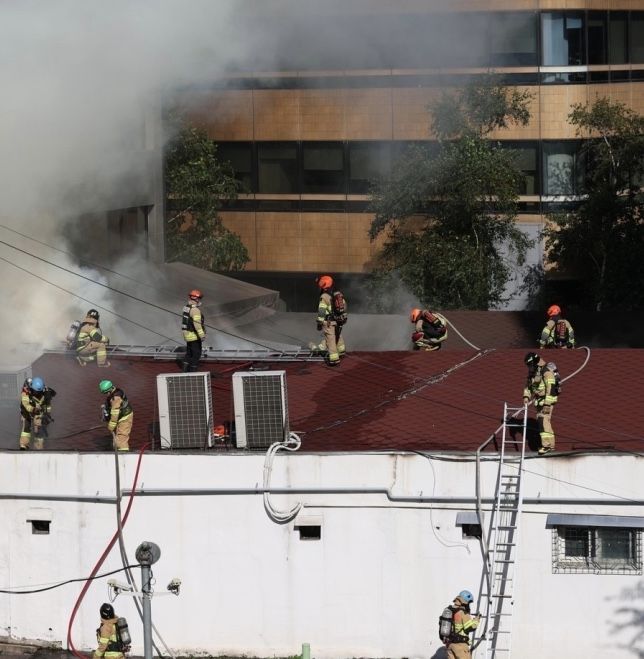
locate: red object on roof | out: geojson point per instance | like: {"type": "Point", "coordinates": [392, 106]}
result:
{"type": "Point", "coordinates": [422, 401]}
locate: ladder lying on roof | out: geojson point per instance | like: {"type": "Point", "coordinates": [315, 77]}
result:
{"type": "Point", "coordinates": [503, 538]}
{"type": "Point", "coordinates": [171, 352]}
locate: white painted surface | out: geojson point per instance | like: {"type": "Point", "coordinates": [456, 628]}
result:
{"type": "Point", "coordinates": [373, 586]}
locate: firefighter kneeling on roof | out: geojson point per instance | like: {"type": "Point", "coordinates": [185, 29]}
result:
{"type": "Point", "coordinates": [543, 386]}
{"type": "Point", "coordinates": [430, 329]}
{"type": "Point", "coordinates": [118, 413]}
{"type": "Point", "coordinates": [91, 341]}
{"type": "Point", "coordinates": [332, 316]}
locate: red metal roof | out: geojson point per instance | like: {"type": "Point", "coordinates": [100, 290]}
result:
{"type": "Point", "coordinates": [440, 401]}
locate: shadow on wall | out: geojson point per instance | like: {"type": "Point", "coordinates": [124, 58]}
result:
{"type": "Point", "coordinates": [627, 626]}
{"type": "Point", "coordinates": [441, 653]}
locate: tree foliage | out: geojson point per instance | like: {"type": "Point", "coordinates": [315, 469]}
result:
{"type": "Point", "coordinates": [196, 184]}
{"type": "Point", "coordinates": [602, 240]}
{"type": "Point", "coordinates": [448, 213]}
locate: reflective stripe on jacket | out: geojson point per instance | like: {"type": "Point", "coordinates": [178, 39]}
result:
{"type": "Point", "coordinates": [88, 332]}
{"type": "Point", "coordinates": [119, 407]}
{"type": "Point", "coordinates": [325, 308]}
{"type": "Point", "coordinates": [108, 641]}
{"type": "Point", "coordinates": [192, 323]}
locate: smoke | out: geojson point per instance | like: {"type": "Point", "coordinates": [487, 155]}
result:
{"type": "Point", "coordinates": [83, 84]}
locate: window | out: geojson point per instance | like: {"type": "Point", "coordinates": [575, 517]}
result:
{"type": "Point", "coordinates": [277, 168]}
{"type": "Point", "coordinates": [562, 38]}
{"type": "Point", "coordinates": [323, 168]}
{"type": "Point", "coordinates": [526, 158]}
{"type": "Point", "coordinates": [597, 37]}
{"type": "Point", "coordinates": [513, 39]}
{"type": "Point", "coordinates": [637, 37]}
{"type": "Point", "coordinates": [618, 37]}
{"type": "Point", "coordinates": [368, 161]}
{"type": "Point", "coordinates": [562, 168]}
{"type": "Point", "coordinates": [40, 526]}
{"type": "Point", "coordinates": [240, 157]}
{"type": "Point", "coordinates": [596, 550]}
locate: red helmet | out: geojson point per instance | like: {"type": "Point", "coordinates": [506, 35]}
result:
{"type": "Point", "coordinates": [553, 310]}
{"type": "Point", "coordinates": [414, 315]}
{"type": "Point", "coordinates": [325, 281]}
{"type": "Point", "coordinates": [195, 294]}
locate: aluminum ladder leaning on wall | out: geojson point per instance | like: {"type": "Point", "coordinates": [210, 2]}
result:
{"type": "Point", "coordinates": [502, 543]}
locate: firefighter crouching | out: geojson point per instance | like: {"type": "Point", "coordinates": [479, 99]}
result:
{"type": "Point", "coordinates": [113, 635]}
{"type": "Point", "coordinates": [118, 413]}
{"type": "Point", "coordinates": [91, 341]}
{"type": "Point", "coordinates": [331, 318]}
{"type": "Point", "coordinates": [192, 328]}
{"type": "Point", "coordinates": [557, 332]}
{"type": "Point", "coordinates": [542, 387]}
{"type": "Point", "coordinates": [459, 624]}
{"type": "Point", "coordinates": [430, 329]}
{"type": "Point", "coordinates": [35, 412]}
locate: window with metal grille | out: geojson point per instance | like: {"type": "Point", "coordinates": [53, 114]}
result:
{"type": "Point", "coordinates": [596, 550]}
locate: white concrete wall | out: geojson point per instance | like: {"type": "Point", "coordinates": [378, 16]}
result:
{"type": "Point", "coordinates": [373, 586]}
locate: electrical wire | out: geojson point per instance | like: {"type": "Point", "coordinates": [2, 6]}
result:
{"type": "Point", "coordinates": [101, 560]}
{"type": "Point", "coordinates": [292, 443]}
{"type": "Point", "coordinates": [93, 577]}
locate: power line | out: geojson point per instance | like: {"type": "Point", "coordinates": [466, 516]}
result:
{"type": "Point", "coordinates": [8, 591]}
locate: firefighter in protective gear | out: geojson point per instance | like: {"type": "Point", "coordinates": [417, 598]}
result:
{"type": "Point", "coordinates": [542, 388]}
{"type": "Point", "coordinates": [458, 646]}
{"type": "Point", "coordinates": [330, 322]}
{"type": "Point", "coordinates": [430, 329]}
{"type": "Point", "coordinates": [91, 341]}
{"type": "Point", "coordinates": [557, 332]}
{"type": "Point", "coordinates": [109, 644]}
{"type": "Point", "coordinates": [192, 327]}
{"type": "Point", "coordinates": [35, 412]}
{"type": "Point", "coordinates": [118, 413]}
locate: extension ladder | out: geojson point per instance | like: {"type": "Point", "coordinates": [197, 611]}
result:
{"type": "Point", "coordinates": [503, 539]}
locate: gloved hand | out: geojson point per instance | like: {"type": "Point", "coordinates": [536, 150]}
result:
{"type": "Point", "coordinates": [319, 326]}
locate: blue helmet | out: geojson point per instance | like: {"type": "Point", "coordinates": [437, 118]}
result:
{"type": "Point", "coordinates": [37, 384]}
{"type": "Point", "coordinates": [466, 596]}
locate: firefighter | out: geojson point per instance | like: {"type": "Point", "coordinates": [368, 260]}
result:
{"type": "Point", "coordinates": [118, 414]}
{"type": "Point", "coordinates": [35, 412]}
{"type": "Point", "coordinates": [542, 387]}
{"type": "Point", "coordinates": [192, 326]}
{"type": "Point", "coordinates": [91, 341]}
{"type": "Point", "coordinates": [430, 329]}
{"type": "Point", "coordinates": [458, 644]}
{"type": "Point", "coordinates": [110, 644]}
{"type": "Point", "coordinates": [331, 318]}
{"type": "Point", "coordinates": [557, 332]}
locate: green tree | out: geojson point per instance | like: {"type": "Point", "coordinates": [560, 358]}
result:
{"type": "Point", "coordinates": [602, 240]}
{"type": "Point", "coordinates": [196, 184]}
{"type": "Point", "coordinates": [448, 213]}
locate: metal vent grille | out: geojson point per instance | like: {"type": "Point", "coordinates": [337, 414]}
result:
{"type": "Point", "coordinates": [185, 410]}
{"type": "Point", "coordinates": [261, 412]}
{"type": "Point", "coordinates": [11, 384]}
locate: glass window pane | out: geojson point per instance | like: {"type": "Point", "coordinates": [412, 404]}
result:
{"type": "Point", "coordinates": [239, 155]}
{"type": "Point", "coordinates": [597, 37]}
{"type": "Point", "coordinates": [576, 542]}
{"type": "Point", "coordinates": [277, 168]}
{"type": "Point", "coordinates": [637, 37]}
{"type": "Point", "coordinates": [526, 160]}
{"type": "Point", "coordinates": [614, 544]}
{"type": "Point", "coordinates": [513, 39]}
{"type": "Point", "coordinates": [368, 161]}
{"type": "Point", "coordinates": [562, 168]}
{"type": "Point", "coordinates": [618, 37]}
{"type": "Point", "coordinates": [323, 167]}
{"type": "Point", "coordinates": [562, 36]}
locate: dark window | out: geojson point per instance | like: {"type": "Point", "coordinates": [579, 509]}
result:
{"type": "Point", "coordinates": [637, 37]}
{"type": "Point", "coordinates": [311, 532]}
{"type": "Point", "coordinates": [368, 162]}
{"type": "Point", "coordinates": [323, 168]}
{"type": "Point", "coordinates": [597, 37]}
{"type": "Point", "coordinates": [513, 39]}
{"type": "Point", "coordinates": [562, 168]}
{"type": "Point", "coordinates": [562, 38]}
{"type": "Point", "coordinates": [40, 527]}
{"type": "Point", "coordinates": [240, 157]}
{"type": "Point", "coordinates": [277, 168]}
{"type": "Point", "coordinates": [596, 550]}
{"type": "Point", "coordinates": [526, 158]}
{"type": "Point", "coordinates": [618, 37]}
